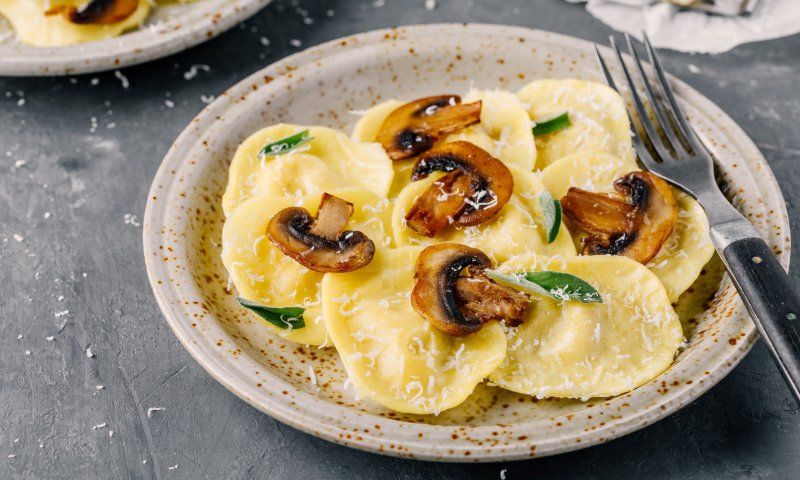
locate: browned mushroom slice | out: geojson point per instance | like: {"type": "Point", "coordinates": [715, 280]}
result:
{"type": "Point", "coordinates": [414, 127]}
{"type": "Point", "coordinates": [99, 12]}
{"type": "Point", "coordinates": [658, 212]}
{"type": "Point", "coordinates": [598, 213]}
{"type": "Point", "coordinates": [483, 187]}
{"type": "Point", "coordinates": [321, 244]}
{"type": "Point", "coordinates": [452, 293]}
{"type": "Point", "coordinates": [440, 205]}
{"type": "Point", "coordinates": [635, 223]}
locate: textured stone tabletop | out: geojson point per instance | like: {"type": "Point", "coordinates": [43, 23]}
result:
{"type": "Point", "coordinates": [94, 385]}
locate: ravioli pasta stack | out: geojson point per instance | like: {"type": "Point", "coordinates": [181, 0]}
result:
{"type": "Point", "coordinates": [417, 227]}
{"type": "Point", "coordinates": [55, 23]}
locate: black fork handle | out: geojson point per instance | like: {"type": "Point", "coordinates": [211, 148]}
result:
{"type": "Point", "coordinates": [768, 294]}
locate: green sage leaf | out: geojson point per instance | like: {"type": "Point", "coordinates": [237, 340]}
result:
{"type": "Point", "coordinates": [285, 144]}
{"type": "Point", "coordinates": [551, 212]}
{"type": "Point", "coordinates": [558, 285]}
{"type": "Point", "coordinates": [552, 125]}
{"type": "Point", "coordinates": [281, 317]}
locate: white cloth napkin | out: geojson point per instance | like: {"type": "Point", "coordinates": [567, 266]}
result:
{"type": "Point", "coordinates": [694, 31]}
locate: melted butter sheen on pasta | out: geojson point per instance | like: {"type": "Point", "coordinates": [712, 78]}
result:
{"type": "Point", "coordinates": [596, 112]}
{"type": "Point", "coordinates": [329, 161]}
{"type": "Point", "coordinates": [686, 251]}
{"type": "Point", "coordinates": [577, 350]}
{"type": "Point", "coordinates": [394, 356]}
{"type": "Point", "coordinates": [263, 274]}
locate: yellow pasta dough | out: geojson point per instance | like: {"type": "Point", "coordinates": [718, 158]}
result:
{"type": "Point", "coordinates": [394, 356]}
{"type": "Point", "coordinates": [367, 128]}
{"type": "Point", "coordinates": [329, 161]}
{"type": "Point", "coordinates": [504, 131]}
{"type": "Point", "coordinates": [578, 350]}
{"type": "Point", "coordinates": [35, 28]}
{"type": "Point", "coordinates": [263, 274]}
{"type": "Point", "coordinates": [591, 171]}
{"type": "Point", "coordinates": [682, 257]}
{"type": "Point", "coordinates": [686, 251]}
{"type": "Point", "coordinates": [597, 114]}
{"type": "Point", "coordinates": [366, 131]}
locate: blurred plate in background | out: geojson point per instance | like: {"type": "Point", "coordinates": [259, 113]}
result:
{"type": "Point", "coordinates": [169, 29]}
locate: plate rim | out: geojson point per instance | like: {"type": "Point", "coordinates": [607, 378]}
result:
{"type": "Point", "coordinates": [424, 450]}
{"type": "Point", "coordinates": [142, 45]}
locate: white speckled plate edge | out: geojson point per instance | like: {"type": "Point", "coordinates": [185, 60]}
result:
{"type": "Point", "coordinates": [173, 285]}
{"type": "Point", "coordinates": [190, 25]}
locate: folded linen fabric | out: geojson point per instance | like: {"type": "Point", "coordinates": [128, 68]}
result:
{"type": "Point", "coordinates": [670, 26]}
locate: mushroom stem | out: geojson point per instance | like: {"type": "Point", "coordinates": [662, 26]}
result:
{"type": "Point", "coordinates": [332, 216]}
{"type": "Point", "coordinates": [481, 298]}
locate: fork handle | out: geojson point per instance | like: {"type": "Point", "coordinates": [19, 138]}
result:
{"type": "Point", "coordinates": [768, 294]}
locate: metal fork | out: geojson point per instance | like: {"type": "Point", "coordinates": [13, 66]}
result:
{"type": "Point", "coordinates": [681, 158]}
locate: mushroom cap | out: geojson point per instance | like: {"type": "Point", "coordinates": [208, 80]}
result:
{"type": "Point", "coordinates": [415, 126]}
{"type": "Point", "coordinates": [98, 12]}
{"type": "Point", "coordinates": [476, 188]}
{"type": "Point", "coordinates": [634, 223]}
{"type": "Point", "coordinates": [321, 244]}
{"type": "Point", "coordinates": [456, 304]}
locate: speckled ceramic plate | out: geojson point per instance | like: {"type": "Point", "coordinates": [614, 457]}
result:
{"type": "Point", "coordinates": [321, 85]}
{"type": "Point", "coordinates": [169, 29]}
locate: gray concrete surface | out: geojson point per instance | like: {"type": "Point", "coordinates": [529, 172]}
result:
{"type": "Point", "coordinates": [76, 159]}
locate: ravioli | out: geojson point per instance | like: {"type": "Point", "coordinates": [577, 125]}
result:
{"type": "Point", "coordinates": [394, 356]}
{"type": "Point", "coordinates": [599, 122]}
{"type": "Point", "coordinates": [35, 28]}
{"type": "Point", "coordinates": [686, 251]}
{"type": "Point", "coordinates": [329, 161]}
{"type": "Point", "coordinates": [263, 274]}
{"type": "Point", "coordinates": [516, 229]}
{"type": "Point", "coordinates": [577, 350]}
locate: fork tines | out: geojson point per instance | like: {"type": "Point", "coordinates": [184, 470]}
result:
{"type": "Point", "coordinates": [679, 139]}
